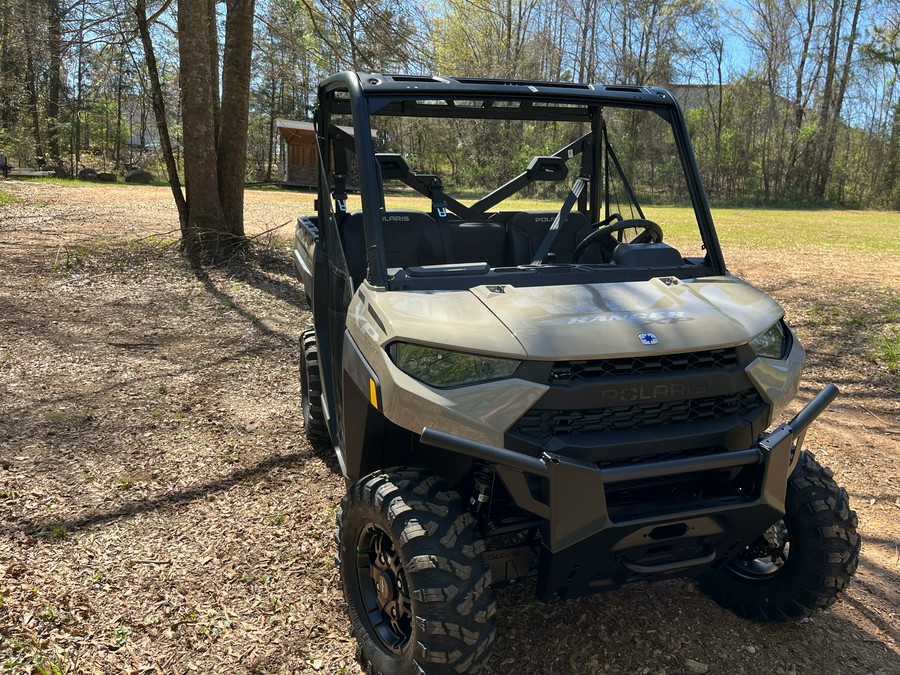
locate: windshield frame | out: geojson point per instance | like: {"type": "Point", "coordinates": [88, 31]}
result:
{"type": "Point", "coordinates": [366, 96]}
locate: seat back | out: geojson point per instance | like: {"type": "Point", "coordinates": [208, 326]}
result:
{"type": "Point", "coordinates": [411, 238]}
{"type": "Point", "coordinates": [527, 229]}
{"type": "Point", "coordinates": [478, 241]}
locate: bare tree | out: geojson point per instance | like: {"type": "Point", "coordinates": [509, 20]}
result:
{"type": "Point", "coordinates": [215, 132]}
{"type": "Point", "coordinates": [837, 77]}
{"type": "Point", "coordinates": [55, 50]}
{"type": "Point", "coordinates": [159, 111]}
{"type": "Point", "coordinates": [884, 50]}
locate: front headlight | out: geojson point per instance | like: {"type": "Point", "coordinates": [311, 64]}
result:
{"type": "Point", "coordinates": [445, 368]}
{"type": "Point", "coordinates": [770, 344]}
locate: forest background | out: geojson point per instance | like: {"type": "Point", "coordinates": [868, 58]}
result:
{"type": "Point", "coordinates": [788, 101]}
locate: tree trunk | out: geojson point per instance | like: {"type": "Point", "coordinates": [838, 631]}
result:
{"type": "Point", "coordinates": [234, 114]}
{"type": "Point", "coordinates": [33, 102]}
{"type": "Point", "coordinates": [719, 49]}
{"type": "Point", "coordinates": [119, 88]}
{"type": "Point", "coordinates": [892, 172]}
{"type": "Point", "coordinates": [205, 217]}
{"type": "Point", "coordinates": [271, 130]}
{"type": "Point", "coordinates": [80, 82]}
{"type": "Point", "coordinates": [583, 73]}
{"type": "Point", "coordinates": [835, 120]}
{"type": "Point", "coordinates": [159, 110]}
{"type": "Point", "coordinates": [54, 48]}
{"type": "Point", "coordinates": [212, 58]}
{"type": "Point", "coordinates": [801, 98]}
{"type": "Point", "coordinates": [833, 36]}
{"type": "Point", "coordinates": [211, 210]}
{"type": "Point", "coordinates": [7, 109]}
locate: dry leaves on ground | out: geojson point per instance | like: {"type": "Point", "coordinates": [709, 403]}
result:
{"type": "Point", "coordinates": [161, 512]}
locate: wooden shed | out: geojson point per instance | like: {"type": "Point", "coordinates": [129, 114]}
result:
{"type": "Point", "coordinates": [298, 147]}
{"type": "Point", "coordinates": [298, 151]}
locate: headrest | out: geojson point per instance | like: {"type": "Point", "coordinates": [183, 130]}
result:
{"type": "Point", "coordinates": [538, 220]}
{"type": "Point", "coordinates": [393, 166]}
{"type": "Point", "coordinates": [406, 219]}
{"type": "Point", "coordinates": [547, 168]}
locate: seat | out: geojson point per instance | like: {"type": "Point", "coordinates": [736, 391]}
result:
{"type": "Point", "coordinates": [527, 229]}
{"type": "Point", "coordinates": [478, 241]}
{"type": "Point", "coordinates": [411, 238]}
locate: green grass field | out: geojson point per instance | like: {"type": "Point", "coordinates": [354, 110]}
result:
{"type": "Point", "coordinates": [781, 229]}
{"type": "Point", "coordinates": [773, 228]}
{"type": "Point", "coordinates": [845, 230]}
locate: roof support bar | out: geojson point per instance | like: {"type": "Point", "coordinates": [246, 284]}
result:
{"type": "Point", "coordinates": [522, 180]}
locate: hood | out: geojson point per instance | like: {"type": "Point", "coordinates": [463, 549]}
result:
{"type": "Point", "coordinates": [450, 319]}
{"type": "Point", "coordinates": [582, 321]}
{"type": "Point", "coordinates": [659, 316]}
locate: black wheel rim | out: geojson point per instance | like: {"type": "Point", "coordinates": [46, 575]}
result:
{"type": "Point", "coordinates": [383, 589]}
{"type": "Point", "coordinates": [764, 558]}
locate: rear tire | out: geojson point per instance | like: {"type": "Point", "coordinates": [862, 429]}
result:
{"type": "Point", "coordinates": [417, 588]}
{"type": "Point", "coordinates": [805, 563]}
{"type": "Point", "coordinates": [311, 390]}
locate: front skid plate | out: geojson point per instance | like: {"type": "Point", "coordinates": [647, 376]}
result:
{"type": "Point", "coordinates": [673, 547]}
{"type": "Point", "coordinates": [586, 550]}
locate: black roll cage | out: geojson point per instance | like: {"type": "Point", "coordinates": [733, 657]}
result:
{"type": "Point", "coordinates": [363, 95]}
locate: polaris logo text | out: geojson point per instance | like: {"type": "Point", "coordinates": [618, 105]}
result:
{"type": "Point", "coordinates": [631, 316]}
{"type": "Point", "coordinates": [397, 219]}
{"type": "Point", "coordinates": [675, 390]}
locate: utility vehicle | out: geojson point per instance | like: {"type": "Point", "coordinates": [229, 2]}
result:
{"type": "Point", "coordinates": [557, 378]}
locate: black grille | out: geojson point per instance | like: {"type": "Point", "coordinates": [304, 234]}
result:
{"type": "Point", "coordinates": [643, 365]}
{"type": "Point", "coordinates": [542, 423]}
{"type": "Point", "coordinates": [659, 457]}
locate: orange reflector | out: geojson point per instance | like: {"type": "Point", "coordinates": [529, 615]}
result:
{"type": "Point", "coordinates": [373, 394]}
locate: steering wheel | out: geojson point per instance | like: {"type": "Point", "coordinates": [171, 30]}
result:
{"type": "Point", "coordinates": [652, 233]}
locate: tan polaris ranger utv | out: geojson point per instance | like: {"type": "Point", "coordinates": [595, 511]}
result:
{"type": "Point", "coordinates": [574, 389]}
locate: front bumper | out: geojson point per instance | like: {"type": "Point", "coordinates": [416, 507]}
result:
{"type": "Point", "coordinates": [589, 542]}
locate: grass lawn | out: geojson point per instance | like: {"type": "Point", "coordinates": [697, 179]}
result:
{"type": "Point", "coordinates": [782, 229]}
{"type": "Point", "coordinates": [773, 228]}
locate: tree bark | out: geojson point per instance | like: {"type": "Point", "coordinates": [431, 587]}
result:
{"type": "Point", "coordinates": [272, 109]}
{"type": "Point", "coordinates": [801, 97]}
{"type": "Point", "coordinates": [54, 48]}
{"type": "Point", "coordinates": [33, 102]}
{"type": "Point", "coordinates": [583, 71]}
{"type": "Point", "coordinates": [211, 208]}
{"type": "Point", "coordinates": [212, 33]}
{"type": "Point", "coordinates": [7, 109]}
{"type": "Point", "coordinates": [234, 114]}
{"type": "Point", "coordinates": [119, 92]}
{"type": "Point", "coordinates": [835, 120]}
{"type": "Point", "coordinates": [159, 110]}
{"type": "Point", "coordinates": [892, 171]}
{"type": "Point", "coordinates": [80, 82]}
{"type": "Point", "coordinates": [198, 103]}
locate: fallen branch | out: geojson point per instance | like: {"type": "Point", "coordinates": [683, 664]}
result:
{"type": "Point", "coordinates": [271, 229]}
{"type": "Point", "coordinates": [873, 414]}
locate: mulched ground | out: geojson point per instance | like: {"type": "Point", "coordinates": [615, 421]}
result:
{"type": "Point", "coordinates": [161, 511]}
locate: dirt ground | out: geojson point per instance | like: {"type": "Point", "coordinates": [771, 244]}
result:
{"type": "Point", "coordinates": [161, 511]}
